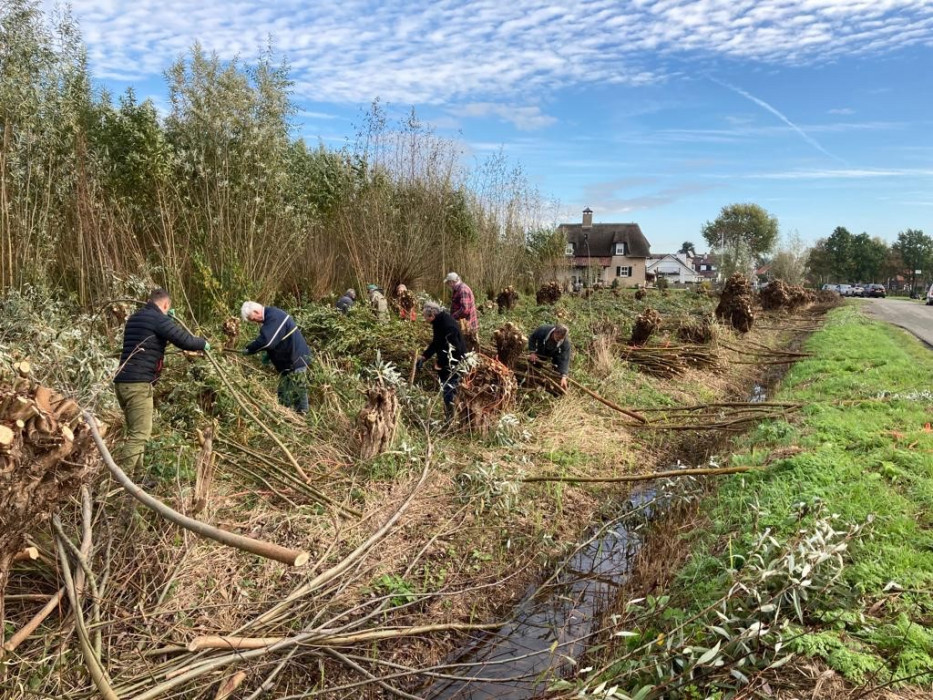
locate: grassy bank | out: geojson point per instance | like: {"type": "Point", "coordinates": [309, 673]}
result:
{"type": "Point", "coordinates": [816, 570]}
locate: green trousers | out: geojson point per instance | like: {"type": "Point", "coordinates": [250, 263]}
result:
{"type": "Point", "coordinates": [135, 398]}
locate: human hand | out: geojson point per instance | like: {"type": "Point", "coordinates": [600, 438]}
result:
{"type": "Point", "coordinates": [170, 312]}
{"type": "Point", "coordinates": [533, 357]}
{"type": "Point", "coordinates": [207, 346]}
{"type": "Point", "coordinates": [563, 382]}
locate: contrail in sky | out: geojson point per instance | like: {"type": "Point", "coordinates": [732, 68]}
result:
{"type": "Point", "coordinates": [761, 103]}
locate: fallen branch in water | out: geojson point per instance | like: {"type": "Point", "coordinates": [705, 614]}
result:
{"type": "Point", "coordinates": [721, 471]}
{"type": "Point", "coordinates": [292, 557]}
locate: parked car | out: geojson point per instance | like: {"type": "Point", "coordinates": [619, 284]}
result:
{"type": "Point", "coordinates": [930, 296]}
{"type": "Point", "coordinates": [875, 291]}
{"type": "Point", "coordinates": [844, 289]}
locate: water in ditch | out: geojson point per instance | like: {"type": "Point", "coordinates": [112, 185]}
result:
{"type": "Point", "coordinates": [552, 623]}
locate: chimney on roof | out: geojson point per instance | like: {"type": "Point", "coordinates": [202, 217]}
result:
{"type": "Point", "coordinates": [587, 218]}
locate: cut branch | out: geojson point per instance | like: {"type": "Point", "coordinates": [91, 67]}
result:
{"type": "Point", "coordinates": [644, 477]}
{"type": "Point", "coordinates": [268, 550]}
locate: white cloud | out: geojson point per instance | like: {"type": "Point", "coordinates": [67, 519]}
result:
{"type": "Point", "coordinates": [842, 110]}
{"type": "Point", "coordinates": [524, 118]}
{"type": "Point", "coordinates": [443, 51]}
{"type": "Point", "coordinates": [844, 174]}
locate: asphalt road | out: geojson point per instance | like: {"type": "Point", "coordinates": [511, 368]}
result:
{"type": "Point", "coordinates": [910, 315]}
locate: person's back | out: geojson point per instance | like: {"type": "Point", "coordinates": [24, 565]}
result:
{"type": "Point", "coordinates": [145, 336]}
{"type": "Point", "coordinates": [282, 341]}
{"type": "Point", "coordinates": [346, 302]}
{"type": "Point", "coordinates": [379, 303]}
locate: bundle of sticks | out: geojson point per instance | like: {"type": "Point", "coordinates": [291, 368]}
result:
{"type": "Point", "coordinates": [673, 361]}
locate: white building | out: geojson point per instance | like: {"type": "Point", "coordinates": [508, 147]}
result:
{"type": "Point", "coordinates": [677, 267]}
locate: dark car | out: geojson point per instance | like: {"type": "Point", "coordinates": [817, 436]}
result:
{"type": "Point", "coordinates": [875, 290]}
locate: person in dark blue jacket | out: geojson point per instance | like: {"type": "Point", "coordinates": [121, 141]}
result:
{"type": "Point", "coordinates": [346, 302]}
{"type": "Point", "coordinates": [285, 348]}
{"type": "Point", "coordinates": [552, 343]}
{"type": "Point", "coordinates": [145, 336]}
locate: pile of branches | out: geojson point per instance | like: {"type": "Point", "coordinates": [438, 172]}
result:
{"type": "Point", "coordinates": [735, 303]}
{"type": "Point", "coordinates": [646, 325]}
{"type": "Point", "coordinates": [727, 417]}
{"type": "Point", "coordinates": [507, 299]}
{"type": "Point", "coordinates": [549, 293]}
{"type": "Point", "coordinates": [377, 421]}
{"type": "Point", "coordinates": [669, 362]}
{"type": "Point", "coordinates": [44, 460]}
{"type": "Point", "coordinates": [510, 344]}
{"type": "Point", "coordinates": [485, 393]}
{"type": "Point", "coordinates": [699, 331]}
{"type": "Point", "coordinates": [779, 295]}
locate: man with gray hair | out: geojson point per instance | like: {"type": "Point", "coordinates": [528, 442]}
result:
{"type": "Point", "coordinates": [285, 348]}
{"type": "Point", "coordinates": [462, 301]}
{"type": "Point", "coordinates": [552, 343]}
{"type": "Point", "coordinates": [448, 347]}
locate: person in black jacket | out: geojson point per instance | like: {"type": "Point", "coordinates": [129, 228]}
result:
{"type": "Point", "coordinates": [552, 343]}
{"type": "Point", "coordinates": [346, 302]}
{"type": "Point", "coordinates": [448, 347]}
{"type": "Point", "coordinates": [144, 339]}
{"type": "Point", "coordinates": [286, 349]}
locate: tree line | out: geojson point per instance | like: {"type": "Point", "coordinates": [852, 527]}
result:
{"type": "Point", "coordinates": [218, 200]}
{"type": "Point", "coordinates": [746, 236]}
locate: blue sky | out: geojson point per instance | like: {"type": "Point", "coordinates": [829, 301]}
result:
{"type": "Point", "coordinates": [653, 111]}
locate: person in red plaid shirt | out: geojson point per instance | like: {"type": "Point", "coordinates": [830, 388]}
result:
{"type": "Point", "coordinates": [462, 303]}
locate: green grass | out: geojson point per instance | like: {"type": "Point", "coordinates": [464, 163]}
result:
{"type": "Point", "coordinates": [864, 453]}
{"type": "Point", "coordinates": [867, 458]}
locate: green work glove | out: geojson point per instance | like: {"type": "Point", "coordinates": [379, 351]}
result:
{"type": "Point", "coordinates": [207, 346]}
{"type": "Point", "coordinates": [170, 312]}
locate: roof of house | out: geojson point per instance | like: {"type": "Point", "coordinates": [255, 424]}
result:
{"type": "Point", "coordinates": [656, 260]}
{"type": "Point", "coordinates": [603, 237]}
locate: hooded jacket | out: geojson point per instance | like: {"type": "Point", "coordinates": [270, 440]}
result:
{"type": "Point", "coordinates": [144, 339]}
{"type": "Point", "coordinates": [280, 338]}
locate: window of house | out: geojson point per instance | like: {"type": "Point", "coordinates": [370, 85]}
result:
{"type": "Point", "coordinates": [621, 249]}
{"type": "Point", "coordinates": [623, 271]}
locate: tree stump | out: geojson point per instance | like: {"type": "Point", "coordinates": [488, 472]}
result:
{"type": "Point", "coordinates": [510, 344]}
{"type": "Point", "coordinates": [231, 331]}
{"type": "Point", "coordinates": [485, 394]}
{"type": "Point", "coordinates": [549, 293]}
{"type": "Point", "coordinates": [507, 299]}
{"type": "Point", "coordinates": [44, 460]}
{"type": "Point", "coordinates": [735, 303]}
{"type": "Point", "coordinates": [377, 422]}
{"type": "Point", "coordinates": [646, 325]}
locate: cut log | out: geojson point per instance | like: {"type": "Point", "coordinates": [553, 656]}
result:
{"type": "Point", "coordinates": [22, 368]}
{"type": "Point", "coordinates": [43, 399]}
{"type": "Point", "coordinates": [22, 409]}
{"type": "Point", "coordinates": [7, 436]}
{"type": "Point", "coordinates": [28, 554]}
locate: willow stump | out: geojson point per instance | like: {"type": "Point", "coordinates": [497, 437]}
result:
{"type": "Point", "coordinates": [377, 422]}
{"type": "Point", "coordinates": [44, 460]}
{"type": "Point", "coordinates": [735, 303]}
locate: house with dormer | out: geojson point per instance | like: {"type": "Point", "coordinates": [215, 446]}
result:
{"type": "Point", "coordinates": [605, 252]}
